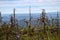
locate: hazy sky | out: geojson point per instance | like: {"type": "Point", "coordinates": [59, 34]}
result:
{"type": "Point", "coordinates": [22, 6]}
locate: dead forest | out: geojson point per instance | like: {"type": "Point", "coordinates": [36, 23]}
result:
{"type": "Point", "coordinates": [43, 29]}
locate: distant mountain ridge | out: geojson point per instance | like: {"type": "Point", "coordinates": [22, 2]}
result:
{"type": "Point", "coordinates": [20, 17]}
{"type": "Point", "coordinates": [34, 15]}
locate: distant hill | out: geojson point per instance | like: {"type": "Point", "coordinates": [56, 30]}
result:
{"type": "Point", "coordinates": [20, 17]}
{"type": "Point", "coordinates": [34, 15]}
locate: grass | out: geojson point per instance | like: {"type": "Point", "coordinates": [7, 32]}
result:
{"type": "Point", "coordinates": [29, 33]}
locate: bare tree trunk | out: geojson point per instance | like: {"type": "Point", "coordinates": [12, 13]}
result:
{"type": "Point", "coordinates": [44, 26]}
{"type": "Point", "coordinates": [30, 17]}
{"type": "Point", "coordinates": [57, 22]}
{"type": "Point", "coordinates": [6, 35]}
{"type": "Point", "coordinates": [14, 17]}
{"type": "Point", "coordinates": [0, 20]}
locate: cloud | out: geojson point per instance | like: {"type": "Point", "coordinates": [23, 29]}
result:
{"type": "Point", "coordinates": [8, 0]}
{"type": "Point", "coordinates": [7, 6]}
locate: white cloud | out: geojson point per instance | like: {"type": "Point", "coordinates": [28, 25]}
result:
{"type": "Point", "coordinates": [8, 0]}
{"type": "Point", "coordinates": [22, 5]}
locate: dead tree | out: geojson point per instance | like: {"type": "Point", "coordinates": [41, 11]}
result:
{"type": "Point", "coordinates": [29, 25]}
{"type": "Point", "coordinates": [15, 24]}
{"type": "Point", "coordinates": [26, 21]}
{"type": "Point", "coordinates": [52, 19]}
{"type": "Point", "coordinates": [0, 20]}
{"type": "Point", "coordinates": [14, 17]}
{"type": "Point", "coordinates": [11, 21]}
{"type": "Point", "coordinates": [6, 35]}
{"type": "Point", "coordinates": [38, 22]}
{"type": "Point", "coordinates": [14, 20]}
{"type": "Point", "coordinates": [17, 35]}
{"type": "Point", "coordinates": [43, 17]}
{"type": "Point", "coordinates": [29, 17]}
{"type": "Point", "coordinates": [57, 24]}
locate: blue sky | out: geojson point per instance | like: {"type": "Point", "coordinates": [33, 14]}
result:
{"type": "Point", "coordinates": [22, 6]}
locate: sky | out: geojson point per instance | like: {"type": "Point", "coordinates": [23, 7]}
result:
{"type": "Point", "coordinates": [22, 6]}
